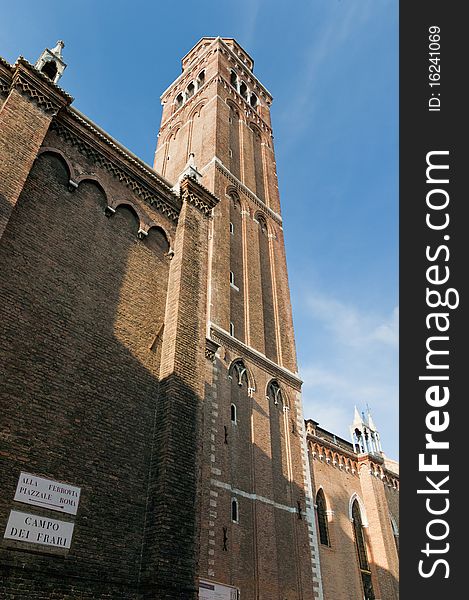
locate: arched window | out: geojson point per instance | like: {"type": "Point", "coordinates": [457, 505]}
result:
{"type": "Point", "coordinates": [179, 101]}
{"type": "Point", "coordinates": [321, 511]}
{"type": "Point", "coordinates": [243, 90]}
{"type": "Point", "coordinates": [233, 413]}
{"type": "Point", "coordinates": [237, 308]}
{"type": "Point", "coordinates": [360, 545]}
{"type": "Point", "coordinates": [234, 79]}
{"type": "Point", "coordinates": [50, 69]}
{"type": "Point", "coordinates": [201, 79]}
{"type": "Point", "coordinates": [234, 146]}
{"type": "Point", "coordinates": [239, 373]}
{"type": "Point", "coordinates": [190, 90]}
{"type": "Point", "coordinates": [234, 511]}
{"type": "Point", "coordinates": [395, 532]}
{"type": "Point", "coordinates": [267, 297]}
{"type": "Point", "coordinates": [253, 100]}
{"type": "Point", "coordinates": [274, 394]}
{"type": "Point", "coordinates": [258, 161]}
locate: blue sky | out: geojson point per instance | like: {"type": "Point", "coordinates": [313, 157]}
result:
{"type": "Point", "coordinates": [331, 66]}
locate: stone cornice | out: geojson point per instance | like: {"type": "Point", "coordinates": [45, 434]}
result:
{"type": "Point", "coordinates": [223, 338]}
{"type": "Point", "coordinates": [245, 190]}
{"type": "Point", "coordinates": [211, 348]}
{"type": "Point", "coordinates": [196, 194]}
{"type": "Point", "coordinates": [348, 452]}
{"type": "Point", "coordinates": [40, 89]}
{"type": "Point", "coordinates": [108, 154]}
{"type": "Point", "coordinates": [5, 63]}
{"type": "Point", "coordinates": [374, 463]}
{"type": "Point", "coordinates": [6, 72]}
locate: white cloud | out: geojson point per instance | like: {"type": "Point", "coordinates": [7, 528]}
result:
{"type": "Point", "coordinates": [353, 361]}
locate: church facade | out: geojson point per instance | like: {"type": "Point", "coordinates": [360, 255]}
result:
{"type": "Point", "coordinates": [153, 437]}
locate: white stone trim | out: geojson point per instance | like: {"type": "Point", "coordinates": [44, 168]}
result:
{"type": "Point", "coordinates": [249, 496]}
{"type": "Point", "coordinates": [354, 497]}
{"type": "Point", "coordinates": [310, 516]}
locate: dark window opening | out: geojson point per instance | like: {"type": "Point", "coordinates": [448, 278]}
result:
{"type": "Point", "coordinates": [240, 371]}
{"type": "Point", "coordinates": [234, 79]}
{"type": "Point", "coordinates": [201, 79]}
{"type": "Point", "coordinates": [361, 552]}
{"type": "Point", "coordinates": [274, 393]}
{"type": "Point", "coordinates": [253, 100]}
{"type": "Point", "coordinates": [243, 90]}
{"type": "Point", "coordinates": [190, 90]}
{"type": "Point", "coordinates": [300, 512]}
{"type": "Point", "coordinates": [321, 509]}
{"type": "Point", "coordinates": [395, 533]}
{"type": "Point", "coordinates": [179, 100]}
{"type": "Point", "coordinates": [234, 510]}
{"type": "Point", "coordinates": [233, 413]}
{"type": "Point", "coordinates": [50, 69]}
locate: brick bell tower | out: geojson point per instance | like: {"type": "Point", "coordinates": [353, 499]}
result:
{"type": "Point", "coordinates": [257, 525]}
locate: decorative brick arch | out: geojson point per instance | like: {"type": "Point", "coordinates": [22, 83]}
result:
{"type": "Point", "coordinates": [233, 106]}
{"type": "Point", "coordinates": [172, 133]}
{"type": "Point", "coordinates": [55, 151]}
{"type": "Point", "coordinates": [139, 215]}
{"type": "Point", "coordinates": [356, 497]}
{"type": "Point", "coordinates": [195, 111]}
{"type": "Point", "coordinates": [156, 225]}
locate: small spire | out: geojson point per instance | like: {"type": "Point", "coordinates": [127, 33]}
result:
{"type": "Point", "coordinates": [57, 49]}
{"type": "Point", "coordinates": [190, 170]}
{"type": "Point", "coordinates": [371, 424]}
{"type": "Point", "coordinates": [357, 420]}
{"type": "Point", "coordinates": [51, 63]}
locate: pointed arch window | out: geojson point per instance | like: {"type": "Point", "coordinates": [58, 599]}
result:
{"type": "Point", "coordinates": [179, 101]}
{"type": "Point", "coordinates": [201, 79]}
{"type": "Point", "coordinates": [234, 79]}
{"type": "Point", "coordinates": [243, 90]}
{"type": "Point", "coordinates": [274, 394]}
{"type": "Point", "coordinates": [239, 373]}
{"type": "Point", "coordinates": [362, 555]}
{"type": "Point", "coordinates": [321, 511]}
{"type": "Point", "coordinates": [395, 532]}
{"type": "Point", "coordinates": [190, 90]}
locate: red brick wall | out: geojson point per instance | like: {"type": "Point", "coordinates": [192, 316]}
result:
{"type": "Point", "coordinates": [339, 564]}
{"type": "Point", "coordinates": [81, 302]}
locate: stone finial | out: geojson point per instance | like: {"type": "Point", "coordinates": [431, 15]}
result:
{"type": "Point", "coordinates": [57, 49]}
{"type": "Point", "coordinates": [190, 170]}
